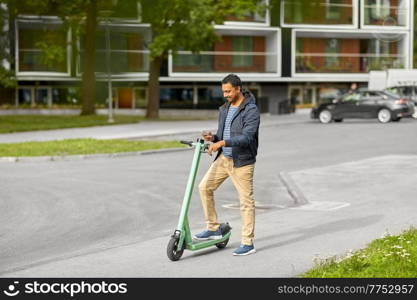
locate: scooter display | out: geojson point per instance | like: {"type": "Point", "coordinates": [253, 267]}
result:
{"type": "Point", "coordinates": [182, 238]}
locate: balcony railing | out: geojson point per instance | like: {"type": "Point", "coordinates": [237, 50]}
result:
{"type": "Point", "coordinates": [33, 60]}
{"type": "Point", "coordinates": [346, 63]}
{"type": "Point", "coordinates": [226, 61]}
{"type": "Point", "coordinates": [121, 61]}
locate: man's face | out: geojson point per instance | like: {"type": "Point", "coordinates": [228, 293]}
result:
{"type": "Point", "coordinates": [230, 92]}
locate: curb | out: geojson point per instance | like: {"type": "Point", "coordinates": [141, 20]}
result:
{"type": "Point", "coordinates": [87, 156]}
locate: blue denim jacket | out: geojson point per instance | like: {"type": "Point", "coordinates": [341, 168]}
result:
{"type": "Point", "coordinates": [244, 131]}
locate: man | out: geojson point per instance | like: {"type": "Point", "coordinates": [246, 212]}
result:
{"type": "Point", "coordinates": [236, 144]}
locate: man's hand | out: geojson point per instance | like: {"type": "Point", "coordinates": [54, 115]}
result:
{"type": "Point", "coordinates": [216, 146]}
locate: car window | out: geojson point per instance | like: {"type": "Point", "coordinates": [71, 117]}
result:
{"type": "Point", "coordinates": [391, 95]}
{"type": "Point", "coordinates": [393, 90]}
{"type": "Point", "coordinates": [406, 90]}
{"type": "Point", "coordinates": [351, 97]}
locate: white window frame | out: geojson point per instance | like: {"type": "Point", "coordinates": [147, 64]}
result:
{"type": "Point", "coordinates": [39, 21]}
{"type": "Point", "coordinates": [215, 75]}
{"type": "Point", "coordinates": [121, 76]}
{"type": "Point", "coordinates": [344, 76]}
{"type": "Point", "coordinates": [408, 8]}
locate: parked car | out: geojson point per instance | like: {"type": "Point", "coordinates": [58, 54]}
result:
{"type": "Point", "coordinates": [383, 105]}
{"type": "Point", "coordinates": [407, 91]}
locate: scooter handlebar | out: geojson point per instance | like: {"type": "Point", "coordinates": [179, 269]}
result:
{"type": "Point", "coordinates": [189, 143]}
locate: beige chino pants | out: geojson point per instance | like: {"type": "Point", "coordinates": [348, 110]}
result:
{"type": "Point", "coordinates": [242, 179]}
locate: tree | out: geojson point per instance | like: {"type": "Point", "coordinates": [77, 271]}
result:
{"type": "Point", "coordinates": [82, 17]}
{"type": "Point", "coordinates": [185, 24]}
{"type": "Point", "coordinates": [7, 77]}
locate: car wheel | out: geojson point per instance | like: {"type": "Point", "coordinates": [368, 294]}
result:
{"type": "Point", "coordinates": [415, 114]}
{"type": "Point", "coordinates": [325, 116]}
{"type": "Point", "coordinates": [338, 120]}
{"type": "Point", "coordinates": [384, 115]}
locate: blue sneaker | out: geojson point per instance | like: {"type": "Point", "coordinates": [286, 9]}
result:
{"type": "Point", "coordinates": [244, 250]}
{"type": "Point", "coordinates": [208, 235]}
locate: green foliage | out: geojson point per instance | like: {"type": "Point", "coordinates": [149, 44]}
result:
{"type": "Point", "coordinates": [7, 78]}
{"type": "Point", "coordinates": [390, 256]}
{"type": "Point", "coordinates": [188, 24]}
{"type": "Point", "coordinates": [82, 147]}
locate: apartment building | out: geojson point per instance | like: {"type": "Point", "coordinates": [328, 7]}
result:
{"type": "Point", "coordinates": [307, 54]}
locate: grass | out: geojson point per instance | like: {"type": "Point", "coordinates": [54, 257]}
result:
{"type": "Point", "coordinates": [19, 123]}
{"type": "Point", "coordinates": [390, 257]}
{"type": "Point", "coordinates": [82, 146]}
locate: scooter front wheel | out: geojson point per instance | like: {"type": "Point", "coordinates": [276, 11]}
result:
{"type": "Point", "coordinates": [172, 252]}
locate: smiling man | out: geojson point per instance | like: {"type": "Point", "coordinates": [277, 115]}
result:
{"type": "Point", "coordinates": [236, 144]}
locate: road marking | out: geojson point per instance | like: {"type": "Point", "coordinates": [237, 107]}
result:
{"type": "Point", "coordinates": [322, 206]}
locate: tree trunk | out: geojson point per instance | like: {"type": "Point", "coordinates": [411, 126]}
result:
{"type": "Point", "coordinates": [89, 76]}
{"type": "Point", "coordinates": [152, 111]}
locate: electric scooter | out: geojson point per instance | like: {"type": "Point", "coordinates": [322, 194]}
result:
{"type": "Point", "coordinates": [182, 238]}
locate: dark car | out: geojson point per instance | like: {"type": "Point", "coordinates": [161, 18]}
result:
{"type": "Point", "coordinates": [383, 105]}
{"type": "Point", "coordinates": [406, 91]}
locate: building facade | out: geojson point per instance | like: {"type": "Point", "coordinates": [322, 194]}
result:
{"type": "Point", "coordinates": [307, 54]}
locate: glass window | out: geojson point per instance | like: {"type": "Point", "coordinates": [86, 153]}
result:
{"type": "Point", "coordinates": [333, 10]}
{"type": "Point", "coordinates": [32, 38]}
{"type": "Point", "coordinates": [140, 98]}
{"type": "Point", "coordinates": [176, 97]}
{"type": "Point", "coordinates": [128, 50]}
{"type": "Point", "coordinates": [24, 96]}
{"type": "Point", "coordinates": [41, 97]}
{"type": "Point", "coordinates": [242, 44]}
{"type": "Point", "coordinates": [332, 47]}
{"type": "Point", "coordinates": [210, 97]}
{"type": "Point", "coordinates": [351, 97]}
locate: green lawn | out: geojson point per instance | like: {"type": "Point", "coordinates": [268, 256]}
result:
{"type": "Point", "coordinates": [82, 146]}
{"type": "Point", "coordinates": [390, 256]}
{"type": "Point", "coordinates": [18, 123]}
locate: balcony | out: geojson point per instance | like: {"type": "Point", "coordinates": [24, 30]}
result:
{"type": "Point", "coordinates": [31, 37]}
{"type": "Point", "coordinates": [253, 52]}
{"type": "Point", "coordinates": [319, 13]}
{"type": "Point", "coordinates": [128, 54]}
{"type": "Point", "coordinates": [385, 13]}
{"type": "Point", "coordinates": [225, 62]}
{"type": "Point", "coordinates": [347, 63]}
{"type": "Point", "coordinates": [344, 53]}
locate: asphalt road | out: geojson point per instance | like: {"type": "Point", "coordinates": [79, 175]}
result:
{"type": "Point", "coordinates": [102, 211]}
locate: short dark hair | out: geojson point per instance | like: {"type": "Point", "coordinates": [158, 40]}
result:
{"type": "Point", "coordinates": [233, 79]}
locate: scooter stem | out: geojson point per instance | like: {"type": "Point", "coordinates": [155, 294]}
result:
{"type": "Point", "coordinates": [190, 184]}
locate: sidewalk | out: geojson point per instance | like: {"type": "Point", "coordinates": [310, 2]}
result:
{"type": "Point", "coordinates": [143, 130]}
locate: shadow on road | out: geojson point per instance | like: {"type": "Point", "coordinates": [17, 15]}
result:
{"type": "Point", "coordinates": [307, 233]}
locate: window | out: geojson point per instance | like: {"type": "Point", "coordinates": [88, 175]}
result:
{"type": "Point", "coordinates": [31, 38]}
{"type": "Point", "coordinates": [333, 9]}
{"type": "Point", "coordinates": [379, 8]}
{"type": "Point", "coordinates": [332, 47]}
{"type": "Point", "coordinates": [242, 44]}
{"type": "Point", "coordinates": [127, 50]}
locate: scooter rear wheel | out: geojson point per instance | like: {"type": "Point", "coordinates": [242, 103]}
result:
{"type": "Point", "coordinates": [172, 252]}
{"type": "Point", "coordinates": [222, 244]}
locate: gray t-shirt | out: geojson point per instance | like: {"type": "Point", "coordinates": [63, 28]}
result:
{"type": "Point", "coordinates": [227, 151]}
